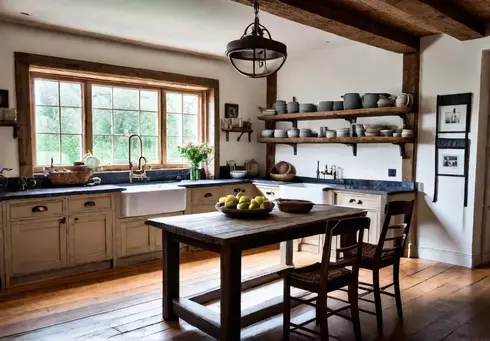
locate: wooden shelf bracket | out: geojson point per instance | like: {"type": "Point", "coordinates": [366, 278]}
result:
{"type": "Point", "coordinates": [354, 148]}
{"type": "Point", "coordinates": [249, 132]}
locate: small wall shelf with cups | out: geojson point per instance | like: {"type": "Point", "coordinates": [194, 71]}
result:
{"type": "Point", "coordinates": [242, 131]}
{"type": "Point", "coordinates": [12, 124]}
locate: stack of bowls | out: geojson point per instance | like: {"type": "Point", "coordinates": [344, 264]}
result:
{"type": "Point", "coordinates": [293, 107]}
{"type": "Point", "coordinates": [307, 107]}
{"type": "Point", "coordinates": [280, 133]}
{"type": "Point", "coordinates": [305, 133]}
{"type": "Point", "coordinates": [407, 133]}
{"type": "Point", "coordinates": [325, 106]}
{"type": "Point", "coordinates": [330, 133]}
{"type": "Point", "coordinates": [360, 130]}
{"type": "Point", "coordinates": [343, 132]}
{"type": "Point", "coordinates": [271, 111]}
{"type": "Point", "coordinates": [372, 131]}
{"type": "Point", "coordinates": [267, 133]}
{"type": "Point", "coordinates": [292, 133]}
{"type": "Point", "coordinates": [387, 132]}
{"type": "Point", "coordinates": [280, 106]}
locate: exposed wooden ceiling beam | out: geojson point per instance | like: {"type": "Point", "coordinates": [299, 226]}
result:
{"type": "Point", "coordinates": [444, 15]}
{"type": "Point", "coordinates": [340, 21]}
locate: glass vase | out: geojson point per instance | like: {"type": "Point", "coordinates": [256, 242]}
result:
{"type": "Point", "coordinates": [194, 172]}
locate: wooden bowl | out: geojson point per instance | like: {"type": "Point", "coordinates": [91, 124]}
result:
{"type": "Point", "coordinates": [283, 167]}
{"type": "Point", "coordinates": [244, 214]}
{"type": "Point", "coordinates": [294, 206]}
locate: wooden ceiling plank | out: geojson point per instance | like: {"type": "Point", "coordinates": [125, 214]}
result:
{"type": "Point", "coordinates": [340, 21]}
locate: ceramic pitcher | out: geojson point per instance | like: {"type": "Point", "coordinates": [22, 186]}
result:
{"type": "Point", "coordinates": [403, 100]}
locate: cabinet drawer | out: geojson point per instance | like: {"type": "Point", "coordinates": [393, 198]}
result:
{"type": "Point", "coordinates": [36, 209]}
{"type": "Point", "coordinates": [358, 201]}
{"type": "Point", "coordinates": [205, 195]}
{"type": "Point", "coordinates": [86, 204]}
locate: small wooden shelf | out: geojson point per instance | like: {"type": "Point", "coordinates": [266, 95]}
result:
{"type": "Point", "coordinates": [350, 141]}
{"type": "Point", "coordinates": [12, 124]}
{"type": "Point", "coordinates": [248, 131]}
{"type": "Point", "coordinates": [350, 115]}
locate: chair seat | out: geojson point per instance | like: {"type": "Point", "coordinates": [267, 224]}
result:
{"type": "Point", "coordinates": [311, 274]}
{"type": "Point", "coordinates": [369, 250]}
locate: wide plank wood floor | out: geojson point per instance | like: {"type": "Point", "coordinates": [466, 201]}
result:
{"type": "Point", "coordinates": [440, 301]}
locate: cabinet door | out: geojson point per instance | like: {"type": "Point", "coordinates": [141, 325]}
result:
{"type": "Point", "coordinates": [38, 245]}
{"type": "Point", "coordinates": [374, 229]}
{"type": "Point", "coordinates": [90, 238]}
{"type": "Point", "coordinates": [135, 238]}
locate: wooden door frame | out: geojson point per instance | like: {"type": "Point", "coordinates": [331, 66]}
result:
{"type": "Point", "coordinates": [24, 61]}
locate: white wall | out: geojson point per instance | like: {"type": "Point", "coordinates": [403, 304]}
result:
{"type": "Point", "coordinates": [248, 93]}
{"type": "Point", "coordinates": [446, 230]}
{"type": "Point", "coordinates": [326, 74]}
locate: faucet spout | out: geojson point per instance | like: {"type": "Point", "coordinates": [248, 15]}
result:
{"type": "Point", "coordinates": [139, 173]}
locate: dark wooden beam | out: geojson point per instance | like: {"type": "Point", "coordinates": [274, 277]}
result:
{"type": "Point", "coordinates": [270, 149]}
{"type": "Point", "coordinates": [341, 21]}
{"type": "Point", "coordinates": [444, 15]}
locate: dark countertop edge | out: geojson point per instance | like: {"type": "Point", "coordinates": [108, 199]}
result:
{"type": "Point", "coordinates": [58, 192]}
{"type": "Point", "coordinates": [368, 191]}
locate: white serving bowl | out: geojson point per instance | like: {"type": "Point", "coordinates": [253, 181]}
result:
{"type": "Point", "coordinates": [238, 174]}
{"type": "Point", "coordinates": [293, 133]}
{"type": "Point", "coordinates": [267, 133]}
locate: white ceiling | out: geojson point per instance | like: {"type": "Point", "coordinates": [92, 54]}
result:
{"type": "Point", "coordinates": [203, 26]}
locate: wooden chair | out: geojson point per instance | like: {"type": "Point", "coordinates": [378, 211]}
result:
{"type": "Point", "coordinates": [322, 278]}
{"type": "Point", "coordinates": [376, 257]}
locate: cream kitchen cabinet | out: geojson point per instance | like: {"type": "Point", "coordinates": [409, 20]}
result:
{"type": "Point", "coordinates": [247, 189]}
{"type": "Point", "coordinates": [90, 237]}
{"type": "Point", "coordinates": [37, 245]}
{"type": "Point", "coordinates": [271, 192]}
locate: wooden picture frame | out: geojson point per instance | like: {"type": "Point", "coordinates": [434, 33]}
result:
{"type": "Point", "coordinates": [231, 110]}
{"type": "Point", "coordinates": [454, 113]}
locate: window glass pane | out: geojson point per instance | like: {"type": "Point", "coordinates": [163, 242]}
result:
{"type": "Point", "coordinates": [102, 121]}
{"type": "Point", "coordinates": [45, 92]}
{"type": "Point", "coordinates": [121, 150]}
{"type": "Point", "coordinates": [71, 149]}
{"type": "Point", "coordinates": [173, 155]}
{"type": "Point", "coordinates": [126, 98]}
{"type": "Point", "coordinates": [149, 123]}
{"type": "Point", "coordinates": [174, 125]}
{"type": "Point", "coordinates": [192, 139]}
{"type": "Point", "coordinates": [191, 104]}
{"type": "Point", "coordinates": [190, 125]}
{"type": "Point", "coordinates": [174, 102]}
{"type": "Point", "coordinates": [149, 100]}
{"type": "Point", "coordinates": [150, 149]}
{"type": "Point", "coordinates": [102, 97]}
{"type": "Point", "coordinates": [47, 120]}
{"type": "Point", "coordinates": [125, 122]}
{"type": "Point", "coordinates": [71, 120]}
{"type": "Point", "coordinates": [47, 147]}
{"type": "Point", "coordinates": [103, 148]}
{"type": "Point", "coordinates": [71, 94]}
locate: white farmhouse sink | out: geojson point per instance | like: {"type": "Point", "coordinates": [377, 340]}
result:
{"type": "Point", "coordinates": [152, 199]}
{"type": "Point", "coordinates": [305, 191]}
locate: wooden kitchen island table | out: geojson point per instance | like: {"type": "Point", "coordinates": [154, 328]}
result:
{"type": "Point", "coordinates": [229, 237]}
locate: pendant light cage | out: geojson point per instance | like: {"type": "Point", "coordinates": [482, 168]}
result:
{"type": "Point", "coordinates": [256, 54]}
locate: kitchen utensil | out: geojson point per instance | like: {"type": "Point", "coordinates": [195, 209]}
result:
{"type": "Point", "coordinates": [386, 101]}
{"type": "Point", "coordinates": [403, 100]}
{"type": "Point", "coordinates": [370, 100]}
{"type": "Point", "coordinates": [338, 105]}
{"type": "Point", "coordinates": [244, 214]}
{"type": "Point", "coordinates": [253, 168]}
{"type": "Point", "coordinates": [352, 101]}
{"type": "Point", "coordinates": [294, 205]}
{"type": "Point", "coordinates": [293, 133]}
{"type": "Point", "coordinates": [238, 174]}
{"type": "Point", "coordinates": [267, 133]}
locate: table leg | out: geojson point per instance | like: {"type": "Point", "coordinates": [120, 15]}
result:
{"type": "Point", "coordinates": [231, 278]}
{"type": "Point", "coordinates": [171, 284]}
{"type": "Point", "coordinates": [287, 252]}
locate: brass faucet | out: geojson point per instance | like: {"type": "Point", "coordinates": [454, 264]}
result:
{"type": "Point", "coordinates": [140, 173]}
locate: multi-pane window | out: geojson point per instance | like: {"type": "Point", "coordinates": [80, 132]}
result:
{"type": "Point", "coordinates": [74, 116]}
{"type": "Point", "coordinates": [58, 116]}
{"type": "Point", "coordinates": [118, 113]}
{"type": "Point", "coordinates": [182, 122]}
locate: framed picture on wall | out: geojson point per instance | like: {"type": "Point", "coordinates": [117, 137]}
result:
{"type": "Point", "coordinates": [231, 110]}
{"type": "Point", "coordinates": [454, 113]}
{"type": "Point", "coordinates": [451, 162]}
{"type": "Point", "coordinates": [4, 99]}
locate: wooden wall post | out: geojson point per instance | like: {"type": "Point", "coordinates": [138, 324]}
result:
{"type": "Point", "coordinates": [270, 148]}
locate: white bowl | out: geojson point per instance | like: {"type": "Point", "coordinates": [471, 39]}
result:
{"type": "Point", "coordinates": [293, 133]}
{"type": "Point", "coordinates": [267, 133]}
{"type": "Point", "coordinates": [238, 174]}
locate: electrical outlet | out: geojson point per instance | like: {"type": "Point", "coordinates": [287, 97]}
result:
{"type": "Point", "coordinates": [392, 172]}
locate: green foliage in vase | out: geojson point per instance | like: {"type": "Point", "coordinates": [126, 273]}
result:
{"type": "Point", "coordinates": [196, 153]}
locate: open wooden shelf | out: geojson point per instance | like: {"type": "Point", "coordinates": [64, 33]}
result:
{"type": "Point", "coordinates": [349, 115]}
{"type": "Point", "coordinates": [242, 131]}
{"type": "Point", "coordinates": [351, 141]}
{"type": "Point", "coordinates": [12, 124]}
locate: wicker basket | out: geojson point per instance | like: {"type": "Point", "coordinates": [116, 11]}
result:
{"type": "Point", "coordinates": [274, 174]}
{"type": "Point", "coordinates": [294, 206]}
{"type": "Point", "coordinates": [70, 177]}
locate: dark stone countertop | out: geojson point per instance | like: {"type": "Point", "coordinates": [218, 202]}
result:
{"type": "Point", "coordinates": [60, 191]}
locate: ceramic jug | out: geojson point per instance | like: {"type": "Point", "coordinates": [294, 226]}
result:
{"type": "Point", "coordinates": [352, 101]}
{"type": "Point", "coordinates": [403, 100]}
{"type": "Point", "coordinates": [386, 101]}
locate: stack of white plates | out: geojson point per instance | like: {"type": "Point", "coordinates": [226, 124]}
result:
{"type": "Point", "coordinates": [407, 133]}
{"type": "Point", "coordinates": [280, 107]}
{"type": "Point", "coordinates": [305, 132]}
{"type": "Point", "coordinates": [330, 133]}
{"type": "Point", "coordinates": [343, 132]}
{"type": "Point", "coordinates": [269, 111]}
{"type": "Point", "coordinates": [280, 133]}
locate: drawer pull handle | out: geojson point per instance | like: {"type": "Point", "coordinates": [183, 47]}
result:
{"type": "Point", "coordinates": [238, 190]}
{"type": "Point", "coordinates": [89, 204]}
{"type": "Point", "coordinates": [352, 201]}
{"type": "Point", "coordinates": [208, 195]}
{"type": "Point", "coordinates": [40, 208]}
{"type": "Point", "coordinates": [359, 202]}
{"type": "Point", "coordinates": [63, 221]}
{"type": "Point", "coordinates": [270, 193]}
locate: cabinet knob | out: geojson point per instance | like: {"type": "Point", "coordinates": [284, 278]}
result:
{"type": "Point", "coordinates": [76, 219]}
{"type": "Point", "coordinates": [270, 193]}
{"type": "Point", "coordinates": [352, 201]}
{"type": "Point", "coordinates": [208, 195]}
{"type": "Point", "coordinates": [63, 220]}
{"type": "Point", "coordinates": [89, 204]}
{"type": "Point", "coordinates": [39, 208]}
{"type": "Point", "coordinates": [359, 202]}
{"type": "Point", "coordinates": [238, 190]}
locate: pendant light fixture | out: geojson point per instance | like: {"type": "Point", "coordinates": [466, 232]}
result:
{"type": "Point", "coordinates": [255, 54]}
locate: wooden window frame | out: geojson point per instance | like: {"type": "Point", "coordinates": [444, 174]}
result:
{"type": "Point", "coordinates": [208, 89]}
